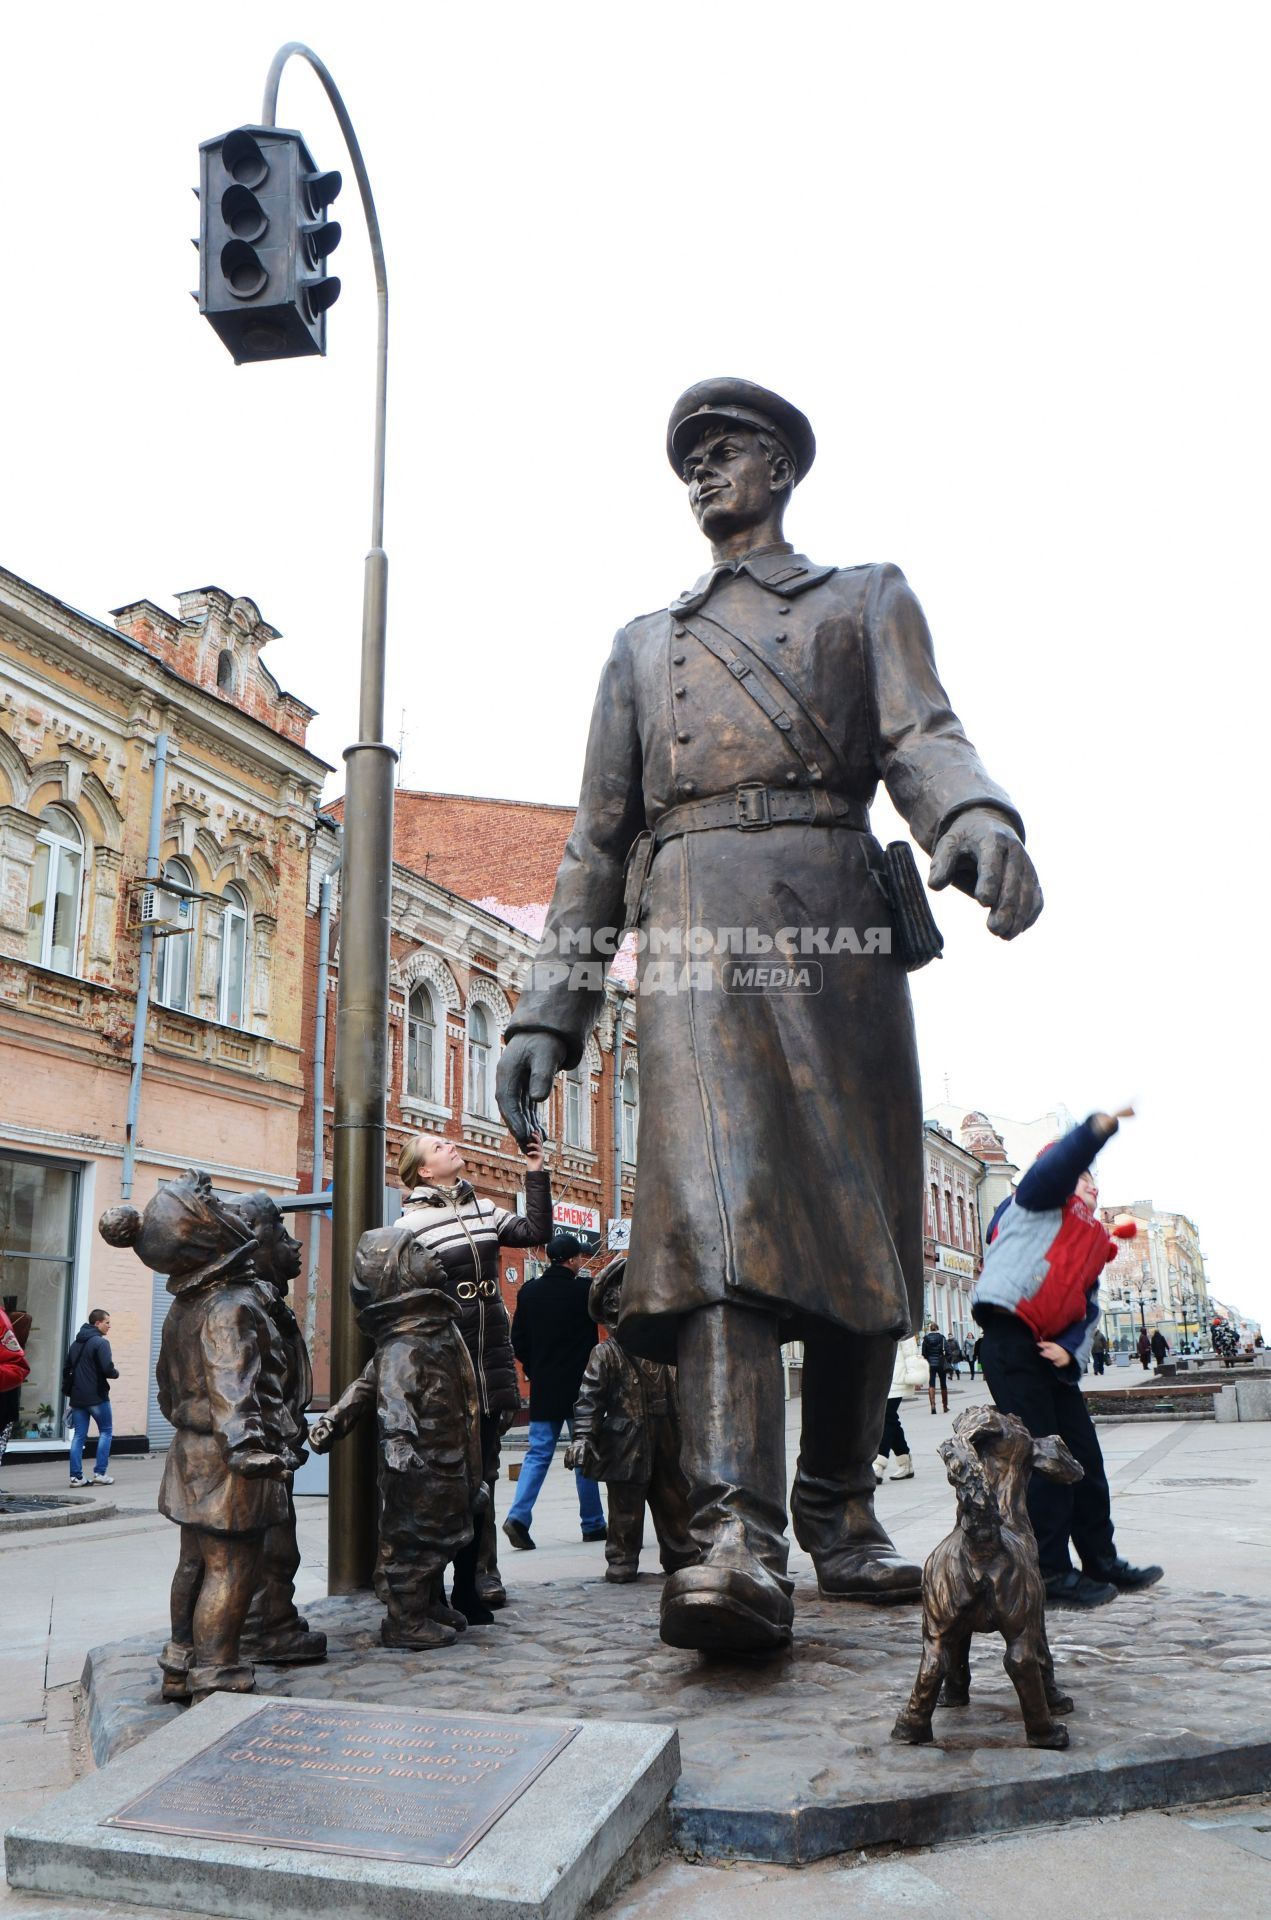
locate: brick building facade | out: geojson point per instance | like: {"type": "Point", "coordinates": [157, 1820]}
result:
{"type": "Point", "coordinates": [472, 879]}
{"type": "Point", "coordinates": [84, 706]}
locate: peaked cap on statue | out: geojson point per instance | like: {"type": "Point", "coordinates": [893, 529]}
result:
{"type": "Point", "coordinates": [727, 398]}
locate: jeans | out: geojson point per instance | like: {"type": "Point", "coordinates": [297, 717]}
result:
{"type": "Point", "coordinates": [538, 1458]}
{"type": "Point", "coordinates": [80, 1417]}
{"type": "Point", "coordinates": [1022, 1382]}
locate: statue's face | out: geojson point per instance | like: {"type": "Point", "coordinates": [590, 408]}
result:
{"type": "Point", "coordinates": [731, 481]}
{"type": "Point", "coordinates": [278, 1254]}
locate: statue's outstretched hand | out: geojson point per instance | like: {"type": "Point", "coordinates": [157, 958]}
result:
{"type": "Point", "coordinates": [528, 1065]}
{"type": "Point", "coordinates": [322, 1434]}
{"type": "Point", "coordinates": [980, 853]}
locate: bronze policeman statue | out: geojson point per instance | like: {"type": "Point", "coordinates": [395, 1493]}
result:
{"type": "Point", "coordinates": [737, 741]}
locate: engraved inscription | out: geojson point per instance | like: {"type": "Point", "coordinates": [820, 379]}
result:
{"type": "Point", "coordinates": [393, 1784]}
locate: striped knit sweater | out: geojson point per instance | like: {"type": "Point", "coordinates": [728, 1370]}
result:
{"type": "Point", "coordinates": [465, 1233]}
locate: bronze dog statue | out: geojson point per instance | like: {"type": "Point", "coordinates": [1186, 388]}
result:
{"type": "Point", "coordinates": [984, 1576]}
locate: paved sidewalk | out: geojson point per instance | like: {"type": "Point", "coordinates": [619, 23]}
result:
{"type": "Point", "coordinates": [1195, 1495]}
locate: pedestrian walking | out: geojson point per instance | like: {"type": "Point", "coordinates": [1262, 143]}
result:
{"type": "Point", "coordinates": [14, 1369]}
{"type": "Point", "coordinates": [553, 1334]}
{"type": "Point", "coordinates": [909, 1375]}
{"type": "Point", "coordinates": [1037, 1299]}
{"type": "Point", "coordinates": [1099, 1351]}
{"type": "Point", "coordinates": [973, 1358]}
{"type": "Point", "coordinates": [86, 1379]}
{"type": "Point", "coordinates": [1160, 1348]}
{"type": "Point", "coordinates": [933, 1352]}
{"type": "Point", "coordinates": [953, 1355]}
{"type": "Point", "coordinates": [1144, 1350]}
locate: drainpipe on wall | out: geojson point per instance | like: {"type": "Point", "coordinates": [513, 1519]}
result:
{"type": "Point", "coordinates": [142, 1014]}
{"type": "Point", "coordinates": [320, 1086]}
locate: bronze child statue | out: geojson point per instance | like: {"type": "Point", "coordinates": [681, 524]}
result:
{"type": "Point", "coordinates": [275, 1631]}
{"type": "Point", "coordinates": [627, 1432]}
{"type": "Point", "coordinates": [422, 1387]}
{"type": "Point", "coordinates": [220, 1385]}
{"type": "Point", "coordinates": [984, 1576]}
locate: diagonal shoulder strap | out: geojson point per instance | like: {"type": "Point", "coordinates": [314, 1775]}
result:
{"type": "Point", "coordinates": [773, 692]}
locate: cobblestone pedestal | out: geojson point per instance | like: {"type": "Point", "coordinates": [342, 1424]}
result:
{"type": "Point", "coordinates": [790, 1761]}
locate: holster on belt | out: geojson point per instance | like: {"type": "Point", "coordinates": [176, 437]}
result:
{"type": "Point", "coordinates": [916, 938]}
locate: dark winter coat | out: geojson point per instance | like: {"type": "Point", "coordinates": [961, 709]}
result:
{"type": "Point", "coordinates": [1159, 1345]}
{"type": "Point", "coordinates": [933, 1349]}
{"type": "Point", "coordinates": [465, 1234]}
{"type": "Point", "coordinates": [730, 1206]}
{"type": "Point", "coordinates": [552, 1337]}
{"type": "Point", "coordinates": [91, 1368]}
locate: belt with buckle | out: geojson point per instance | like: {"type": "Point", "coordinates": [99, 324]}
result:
{"type": "Point", "coordinates": [753, 808]}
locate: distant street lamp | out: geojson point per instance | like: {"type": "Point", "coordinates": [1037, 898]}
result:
{"type": "Point", "coordinates": [264, 239]}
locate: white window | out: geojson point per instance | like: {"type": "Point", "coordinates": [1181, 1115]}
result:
{"type": "Point", "coordinates": [174, 952]}
{"type": "Point", "coordinates": [480, 1076]}
{"type": "Point", "coordinates": [53, 903]}
{"type": "Point", "coordinates": [422, 1051]}
{"type": "Point", "coordinates": [576, 1106]}
{"type": "Point", "coordinates": [630, 1114]}
{"type": "Point", "coordinates": [231, 986]}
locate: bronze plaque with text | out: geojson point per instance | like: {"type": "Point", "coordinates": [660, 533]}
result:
{"type": "Point", "coordinates": [382, 1783]}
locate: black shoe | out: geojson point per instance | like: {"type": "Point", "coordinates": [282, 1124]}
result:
{"type": "Point", "coordinates": [1125, 1578]}
{"type": "Point", "coordinates": [601, 1533]}
{"type": "Point", "coordinates": [1073, 1589]}
{"type": "Point", "coordinates": [518, 1535]}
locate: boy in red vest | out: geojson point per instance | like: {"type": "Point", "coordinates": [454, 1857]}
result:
{"type": "Point", "coordinates": [1037, 1300]}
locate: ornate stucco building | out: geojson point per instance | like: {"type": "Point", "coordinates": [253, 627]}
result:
{"type": "Point", "coordinates": [91, 715]}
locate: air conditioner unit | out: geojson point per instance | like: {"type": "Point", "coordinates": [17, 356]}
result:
{"type": "Point", "coordinates": [165, 912]}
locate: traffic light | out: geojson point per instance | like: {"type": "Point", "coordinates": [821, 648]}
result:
{"type": "Point", "coordinates": [264, 241]}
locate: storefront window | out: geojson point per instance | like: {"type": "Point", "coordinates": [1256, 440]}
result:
{"type": "Point", "coordinates": [38, 1207]}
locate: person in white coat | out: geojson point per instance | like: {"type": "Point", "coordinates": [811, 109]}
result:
{"type": "Point", "coordinates": [909, 1374]}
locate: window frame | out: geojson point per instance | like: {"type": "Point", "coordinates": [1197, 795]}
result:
{"type": "Point", "coordinates": [182, 883]}
{"type": "Point", "coordinates": [57, 845]}
{"type": "Point", "coordinates": [427, 1096]}
{"type": "Point", "coordinates": [234, 907]}
{"type": "Point", "coordinates": [489, 1053]}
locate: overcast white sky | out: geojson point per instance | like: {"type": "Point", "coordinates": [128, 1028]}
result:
{"type": "Point", "coordinates": [1010, 260]}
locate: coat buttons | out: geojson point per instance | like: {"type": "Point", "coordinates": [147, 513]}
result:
{"type": "Point", "coordinates": [684, 738]}
{"type": "Point", "coordinates": [677, 659]}
{"type": "Point", "coordinates": [792, 779]}
{"type": "Point", "coordinates": [688, 787]}
{"type": "Point", "coordinates": [783, 609]}
{"type": "Point", "coordinates": [781, 636]}
{"type": "Point", "coordinates": [680, 692]}
{"type": "Point", "coordinates": [680, 632]}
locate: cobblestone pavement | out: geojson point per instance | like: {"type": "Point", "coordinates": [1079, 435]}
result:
{"type": "Point", "coordinates": [791, 1759]}
{"type": "Point", "coordinates": [1192, 1495]}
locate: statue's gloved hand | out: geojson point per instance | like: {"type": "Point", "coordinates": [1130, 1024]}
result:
{"type": "Point", "coordinates": [980, 853]}
{"type": "Point", "coordinates": [480, 1500]}
{"type": "Point", "coordinates": [581, 1457]}
{"type": "Point", "coordinates": [527, 1066]}
{"type": "Point", "coordinates": [400, 1455]}
{"type": "Point", "coordinates": [322, 1434]}
{"type": "Point", "coordinates": [255, 1464]}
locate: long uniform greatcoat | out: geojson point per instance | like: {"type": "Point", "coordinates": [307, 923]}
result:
{"type": "Point", "coordinates": [780, 1151]}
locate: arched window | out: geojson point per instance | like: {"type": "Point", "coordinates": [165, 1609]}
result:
{"type": "Point", "coordinates": [225, 670]}
{"type": "Point", "coordinates": [480, 1077]}
{"type": "Point", "coordinates": [57, 879]}
{"type": "Point", "coordinates": [630, 1114]}
{"type": "Point", "coordinates": [422, 1051]}
{"type": "Point", "coordinates": [962, 1239]}
{"type": "Point", "coordinates": [174, 951]}
{"type": "Point", "coordinates": [231, 986]}
{"type": "Point", "coordinates": [576, 1105]}
{"type": "Point", "coordinates": [948, 1213]}
{"type": "Point", "coordinates": [935, 1211]}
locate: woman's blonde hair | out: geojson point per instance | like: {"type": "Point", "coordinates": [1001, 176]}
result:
{"type": "Point", "coordinates": [411, 1159]}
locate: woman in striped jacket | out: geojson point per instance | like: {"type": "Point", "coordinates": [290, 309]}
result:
{"type": "Point", "coordinates": [465, 1233]}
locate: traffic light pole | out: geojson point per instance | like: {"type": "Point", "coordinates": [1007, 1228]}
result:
{"type": "Point", "coordinates": [361, 1046]}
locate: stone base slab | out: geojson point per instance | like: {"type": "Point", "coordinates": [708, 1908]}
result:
{"type": "Point", "coordinates": [790, 1761]}
{"type": "Point", "coordinates": [594, 1818]}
